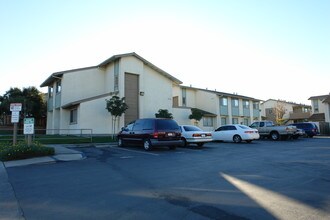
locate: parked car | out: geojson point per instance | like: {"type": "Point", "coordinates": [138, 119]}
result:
{"type": "Point", "coordinates": [299, 133]}
{"type": "Point", "coordinates": [269, 130]}
{"type": "Point", "coordinates": [310, 128]}
{"type": "Point", "coordinates": [194, 135]}
{"type": "Point", "coordinates": [236, 133]}
{"type": "Point", "coordinates": [151, 132]}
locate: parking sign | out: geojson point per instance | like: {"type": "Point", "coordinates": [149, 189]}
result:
{"type": "Point", "coordinates": [28, 125]}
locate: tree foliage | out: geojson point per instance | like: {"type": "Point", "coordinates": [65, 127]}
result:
{"type": "Point", "coordinates": [116, 106]}
{"type": "Point", "coordinates": [196, 114]}
{"type": "Point", "coordinates": [33, 104]}
{"type": "Point", "coordinates": [163, 113]}
{"type": "Point", "coordinates": [279, 111]}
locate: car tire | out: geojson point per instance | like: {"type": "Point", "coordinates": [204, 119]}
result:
{"type": "Point", "coordinates": [147, 145]}
{"type": "Point", "coordinates": [200, 144]}
{"type": "Point", "coordinates": [237, 138]}
{"type": "Point", "coordinates": [185, 143]}
{"type": "Point", "coordinates": [275, 136]}
{"type": "Point", "coordinates": [120, 142]}
{"type": "Point", "coordinates": [172, 147]}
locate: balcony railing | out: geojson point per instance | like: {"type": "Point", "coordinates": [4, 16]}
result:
{"type": "Point", "coordinates": [299, 115]}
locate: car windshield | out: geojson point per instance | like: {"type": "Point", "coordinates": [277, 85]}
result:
{"type": "Point", "coordinates": [167, 125]}
{"type": "Point", "coordinates": [191, 128]}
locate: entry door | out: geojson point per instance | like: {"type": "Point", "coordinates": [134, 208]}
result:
{"type": "Point", "coordinates": [131, 97]}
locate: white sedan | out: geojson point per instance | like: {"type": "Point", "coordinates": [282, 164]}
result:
{"type": "Point", "coordinates": [236, 133]}
{"type": "Point", "coordinates": [194, 135]}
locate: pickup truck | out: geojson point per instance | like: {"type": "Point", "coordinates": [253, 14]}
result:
{"type": "Point", "coordinates": [269, 130]}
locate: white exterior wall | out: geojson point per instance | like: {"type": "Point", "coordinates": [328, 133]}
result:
{"type": "Point", "coordinates": [181, 116]}
{"type": "Point", "coordinates": [93, 114]}
{"type": "Point", "coordinates": [157, 93]}
{"type": "Point", "coordinates": [272, 104]}
{"type": "Point", "coordinates": [82, 84]}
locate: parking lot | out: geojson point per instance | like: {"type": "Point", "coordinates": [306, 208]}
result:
{"type": "Point", "coordinates": [260, 180]}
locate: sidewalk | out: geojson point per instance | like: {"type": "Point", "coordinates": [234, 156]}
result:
{"type": "Point", "coordinates": [9, 207]}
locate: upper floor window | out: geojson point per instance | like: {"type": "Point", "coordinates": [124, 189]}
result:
{"type": "Point", "coordinates": [184, 97]}
{"type": "Point", "coordinates": [256, 105]}
{"type": "Point", "coordinates": [235, 103]}
{"type": "Point", "coordinates": [224, 101]}
{"type": "Point", "coordinates": [246, 104]}
{"type": "Point", "coordinates": [58, 86]}
{"type": "Point", "coordinates": [50, 91]}
{"type": "Point", "coordinates": [316, 105]}
{"type": "Point", "coordinates": [116, 76]}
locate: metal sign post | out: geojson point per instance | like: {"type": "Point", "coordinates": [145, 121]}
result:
{"type": "Point", "coordinates": [29, 129]}
{"type": "Point", "coordinates": [15, 108]}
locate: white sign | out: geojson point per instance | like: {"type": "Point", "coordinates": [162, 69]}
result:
{"type": "Point", "coordinates": [15, 117]}
{"type": "Point", "coordinates": [15, 107]}
{"type": "Point", "coordinates": [28, 125]}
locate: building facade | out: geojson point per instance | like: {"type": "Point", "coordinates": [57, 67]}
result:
{"type": "Point", "coordinates": [291, 112]}
{"type": "Point", "coordinates": [77, 98]}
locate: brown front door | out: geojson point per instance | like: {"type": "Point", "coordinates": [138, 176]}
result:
{"type": "Point", "coordinates": [131, 97]}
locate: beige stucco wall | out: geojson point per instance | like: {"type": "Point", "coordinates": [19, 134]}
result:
{"type": "Point", "coordinates": [93, 114]}
{"type": "Point", "coordinates": [82, 84]}
{"type": "Point", "coordinates": [272, 103]}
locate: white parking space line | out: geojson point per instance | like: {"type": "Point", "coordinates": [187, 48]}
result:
{"type": "Point", "coordinates": [134, 151]}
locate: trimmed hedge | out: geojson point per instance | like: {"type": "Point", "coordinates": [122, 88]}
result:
{"type": "Point", "coordinates": [22, 151]}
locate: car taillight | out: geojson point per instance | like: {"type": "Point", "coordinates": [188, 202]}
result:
{"type": "Point", "coordinates": [249, 132]}
{"type": "Point", "coordinates": [158, 134]}
{"type": "Point", "coordinates": [209, 134]}
{"type": "Point", "coordinates": [196, 135]}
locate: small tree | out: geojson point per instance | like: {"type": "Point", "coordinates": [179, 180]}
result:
{"type": "Point", "coordinates": [196, 115]}
{"type": "Point", "coordinates": [163, 113]}
{"type": "Point", "coordinates": [279, 112]}
{"type": "Point", "coordinates": [116, 106]}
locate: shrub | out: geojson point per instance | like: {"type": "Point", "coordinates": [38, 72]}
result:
{"type": "Point", "coordinates": [22, 151]}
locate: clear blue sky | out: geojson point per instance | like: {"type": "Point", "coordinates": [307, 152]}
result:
{"type": "Point", "coordinates": [265, 49]}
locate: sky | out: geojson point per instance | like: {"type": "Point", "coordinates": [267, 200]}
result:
{"type": "Point", "coordinates": [265, 49]}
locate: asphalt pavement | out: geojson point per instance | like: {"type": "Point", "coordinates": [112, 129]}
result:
{"type": "Point", "coordinates": [9, 206]}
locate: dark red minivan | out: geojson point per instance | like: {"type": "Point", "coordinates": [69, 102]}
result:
{"type": "Point", "coordinates": [151, 132]}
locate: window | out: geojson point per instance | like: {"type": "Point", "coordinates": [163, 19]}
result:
{"type": "Point", "coordinates": [256, 105]}
{"type": "Point", "coordinates": [224, 101]}
{"type": "Point", "coordinates": [246, 121]}
{"type": "Point", "coordinates": [184, 97]}
{"type": "Point", "coordinates": [316, 106]}
{"type": "Point", "coordinates": [116, 76]}
{"type": "Point", "coordinates": [207, 121]}
{"type": "Point", "coordinates": [235, 102]}
{"type": "Point", "coordinates": [246, 104]}
{"type": "Point", "coordinates": [58, 86]}
{"type": "Point", "coordinates": [50, 92]}
{"type": "Point", "coordinates": [223, 121]}
{"type": "Point", "coordinates": [235, 120]}
{"type": "Point", "coordinates": [73, 116]}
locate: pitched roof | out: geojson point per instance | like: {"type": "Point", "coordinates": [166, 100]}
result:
{"type": "Point", "coordinates": [223, 93]}
{"type": "Point", "coordinates": [321, 97]}
{"type": "Point", "coordinates": [205, 113]}
{"type": "Point", "coordinates": [56, 75]}
{"type": "Point", "coordinates": [317, 117]}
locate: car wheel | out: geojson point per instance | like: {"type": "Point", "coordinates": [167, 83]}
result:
{"type": "Point", "coordinates": [274, 136]}
{"type": "Point", "coordinates": [147, 145]}
{"type": "Point", "coordinates": [120, 142]}
{"type": "Point", "coordinates": [172, 147]}
{"type": "Point", "coordinates": [237, 138]}
{"type": "Point", "coordinates": [185, 144]}
{"type": "Point", "coordinates": [200, 144]}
